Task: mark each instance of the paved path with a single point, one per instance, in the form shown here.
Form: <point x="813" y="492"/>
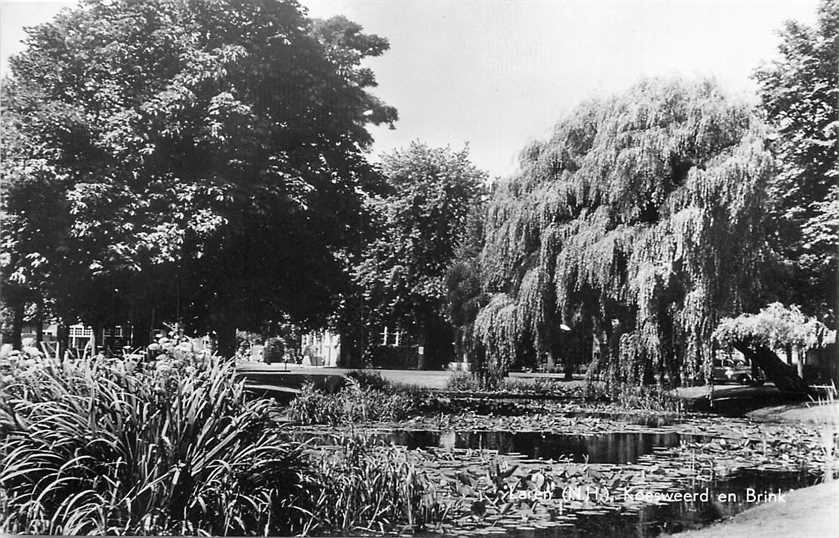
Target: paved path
<point x="807" y="513"/>
<point x="431" y="379"/>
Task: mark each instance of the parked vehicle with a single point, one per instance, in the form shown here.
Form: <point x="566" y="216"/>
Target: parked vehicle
<point x="734" y="371"/>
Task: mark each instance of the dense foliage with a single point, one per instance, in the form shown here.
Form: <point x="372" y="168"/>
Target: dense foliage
<point x="465" y="295"/>
<point x="421" y="222"/>
<point x="800" y="96"/>
<point x="200" y="160"/>
<point x="638" y="224"/>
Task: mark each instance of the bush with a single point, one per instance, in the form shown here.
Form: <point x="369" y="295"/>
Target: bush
<point x="274" y="350"/>
<point x="359" y="487"/>
<point x="352" y="403"/>
<point x="101" y="447"/>
<point x="464" y="382"/>
<point x="372" y="380"/>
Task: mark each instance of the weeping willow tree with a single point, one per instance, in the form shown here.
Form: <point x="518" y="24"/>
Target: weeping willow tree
<point x="638" y="224"/>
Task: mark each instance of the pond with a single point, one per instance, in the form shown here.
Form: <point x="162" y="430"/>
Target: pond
<point x="652" y="519"/>
<point x="653" y="480"/>
<point x="614" y="447"/>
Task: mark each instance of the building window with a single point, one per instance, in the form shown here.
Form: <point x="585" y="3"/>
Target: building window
<point x="80" y="331"/>
<point x="391" y="338"/>
<point x="113" y="332"/>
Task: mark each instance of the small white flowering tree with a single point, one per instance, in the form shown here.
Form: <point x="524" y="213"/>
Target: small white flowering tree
<point x="774" y="327"/>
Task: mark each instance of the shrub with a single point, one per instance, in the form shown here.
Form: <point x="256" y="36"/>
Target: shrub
<point x="464" y="382"/>
<point x="372" y="380"/>
<point x="274" y="350"/>
<point x="100" y="447"/>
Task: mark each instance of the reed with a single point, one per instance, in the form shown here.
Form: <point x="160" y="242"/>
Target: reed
<point x="91" y="448"/>
<point x="359" y="487"/>
<point x="353" y="403"/>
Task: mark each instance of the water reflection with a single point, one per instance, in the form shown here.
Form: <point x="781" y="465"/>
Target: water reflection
<point x="617" y="448"/>
<point x="622" y="447"/>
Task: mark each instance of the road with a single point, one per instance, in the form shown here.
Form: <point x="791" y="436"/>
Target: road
<point x="431" y="379"/>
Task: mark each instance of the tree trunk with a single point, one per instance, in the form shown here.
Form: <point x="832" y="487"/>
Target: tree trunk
<point x="783" y="375"/>
<point x="569" y="367"/>
<point x="62" y="343"/>
<point x="96" y="339"/>
<point x="39" y="322"/>
<point x="17" y="326"/>
<point x="227" y="340"/>
<point x="437" y="345"/>
<point x="569" y="354"/>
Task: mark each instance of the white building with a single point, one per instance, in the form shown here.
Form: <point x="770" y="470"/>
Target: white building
<point x="322" y="348"/>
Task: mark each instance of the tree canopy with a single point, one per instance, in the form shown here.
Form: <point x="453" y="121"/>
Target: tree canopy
<point x="757" y="336"/>
<point x="775" y="327"/>
<point x="204" y="158"/>
<point x="638" y="222"/>
<point x="421" y="221"/>
<point x="799" y="93"/>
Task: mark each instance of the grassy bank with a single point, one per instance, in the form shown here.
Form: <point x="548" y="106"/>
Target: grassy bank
<point x="368" y="397"/>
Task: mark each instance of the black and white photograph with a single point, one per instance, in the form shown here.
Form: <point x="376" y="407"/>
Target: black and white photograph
<point x="419" y="268"/>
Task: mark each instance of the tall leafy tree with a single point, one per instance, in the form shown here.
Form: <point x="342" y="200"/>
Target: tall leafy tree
<point x="203" y="159"/>
<point x="638" y="224"/>
<point x="465" y="293"/>
<point x="799" y="92"/>
<point x="422" y="220"/>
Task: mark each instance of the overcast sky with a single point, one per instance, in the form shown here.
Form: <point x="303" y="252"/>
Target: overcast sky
<point x="499" y="73"/>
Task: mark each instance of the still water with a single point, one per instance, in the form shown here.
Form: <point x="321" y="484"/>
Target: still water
<point x="597" y="448"/>
<point x="654" y="520"/>
<point x="610" y="448"/>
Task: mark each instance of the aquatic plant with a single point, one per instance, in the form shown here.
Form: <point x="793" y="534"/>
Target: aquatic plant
<point x="362" y="487"/>
<point x="96" y="447"/>
<point x="350" y="404"/>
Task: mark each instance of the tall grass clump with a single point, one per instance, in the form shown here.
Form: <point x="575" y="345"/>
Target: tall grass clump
<point x="353" y="403"/>
<point x="359" y="487"/>
<point x="92" y="447"/>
